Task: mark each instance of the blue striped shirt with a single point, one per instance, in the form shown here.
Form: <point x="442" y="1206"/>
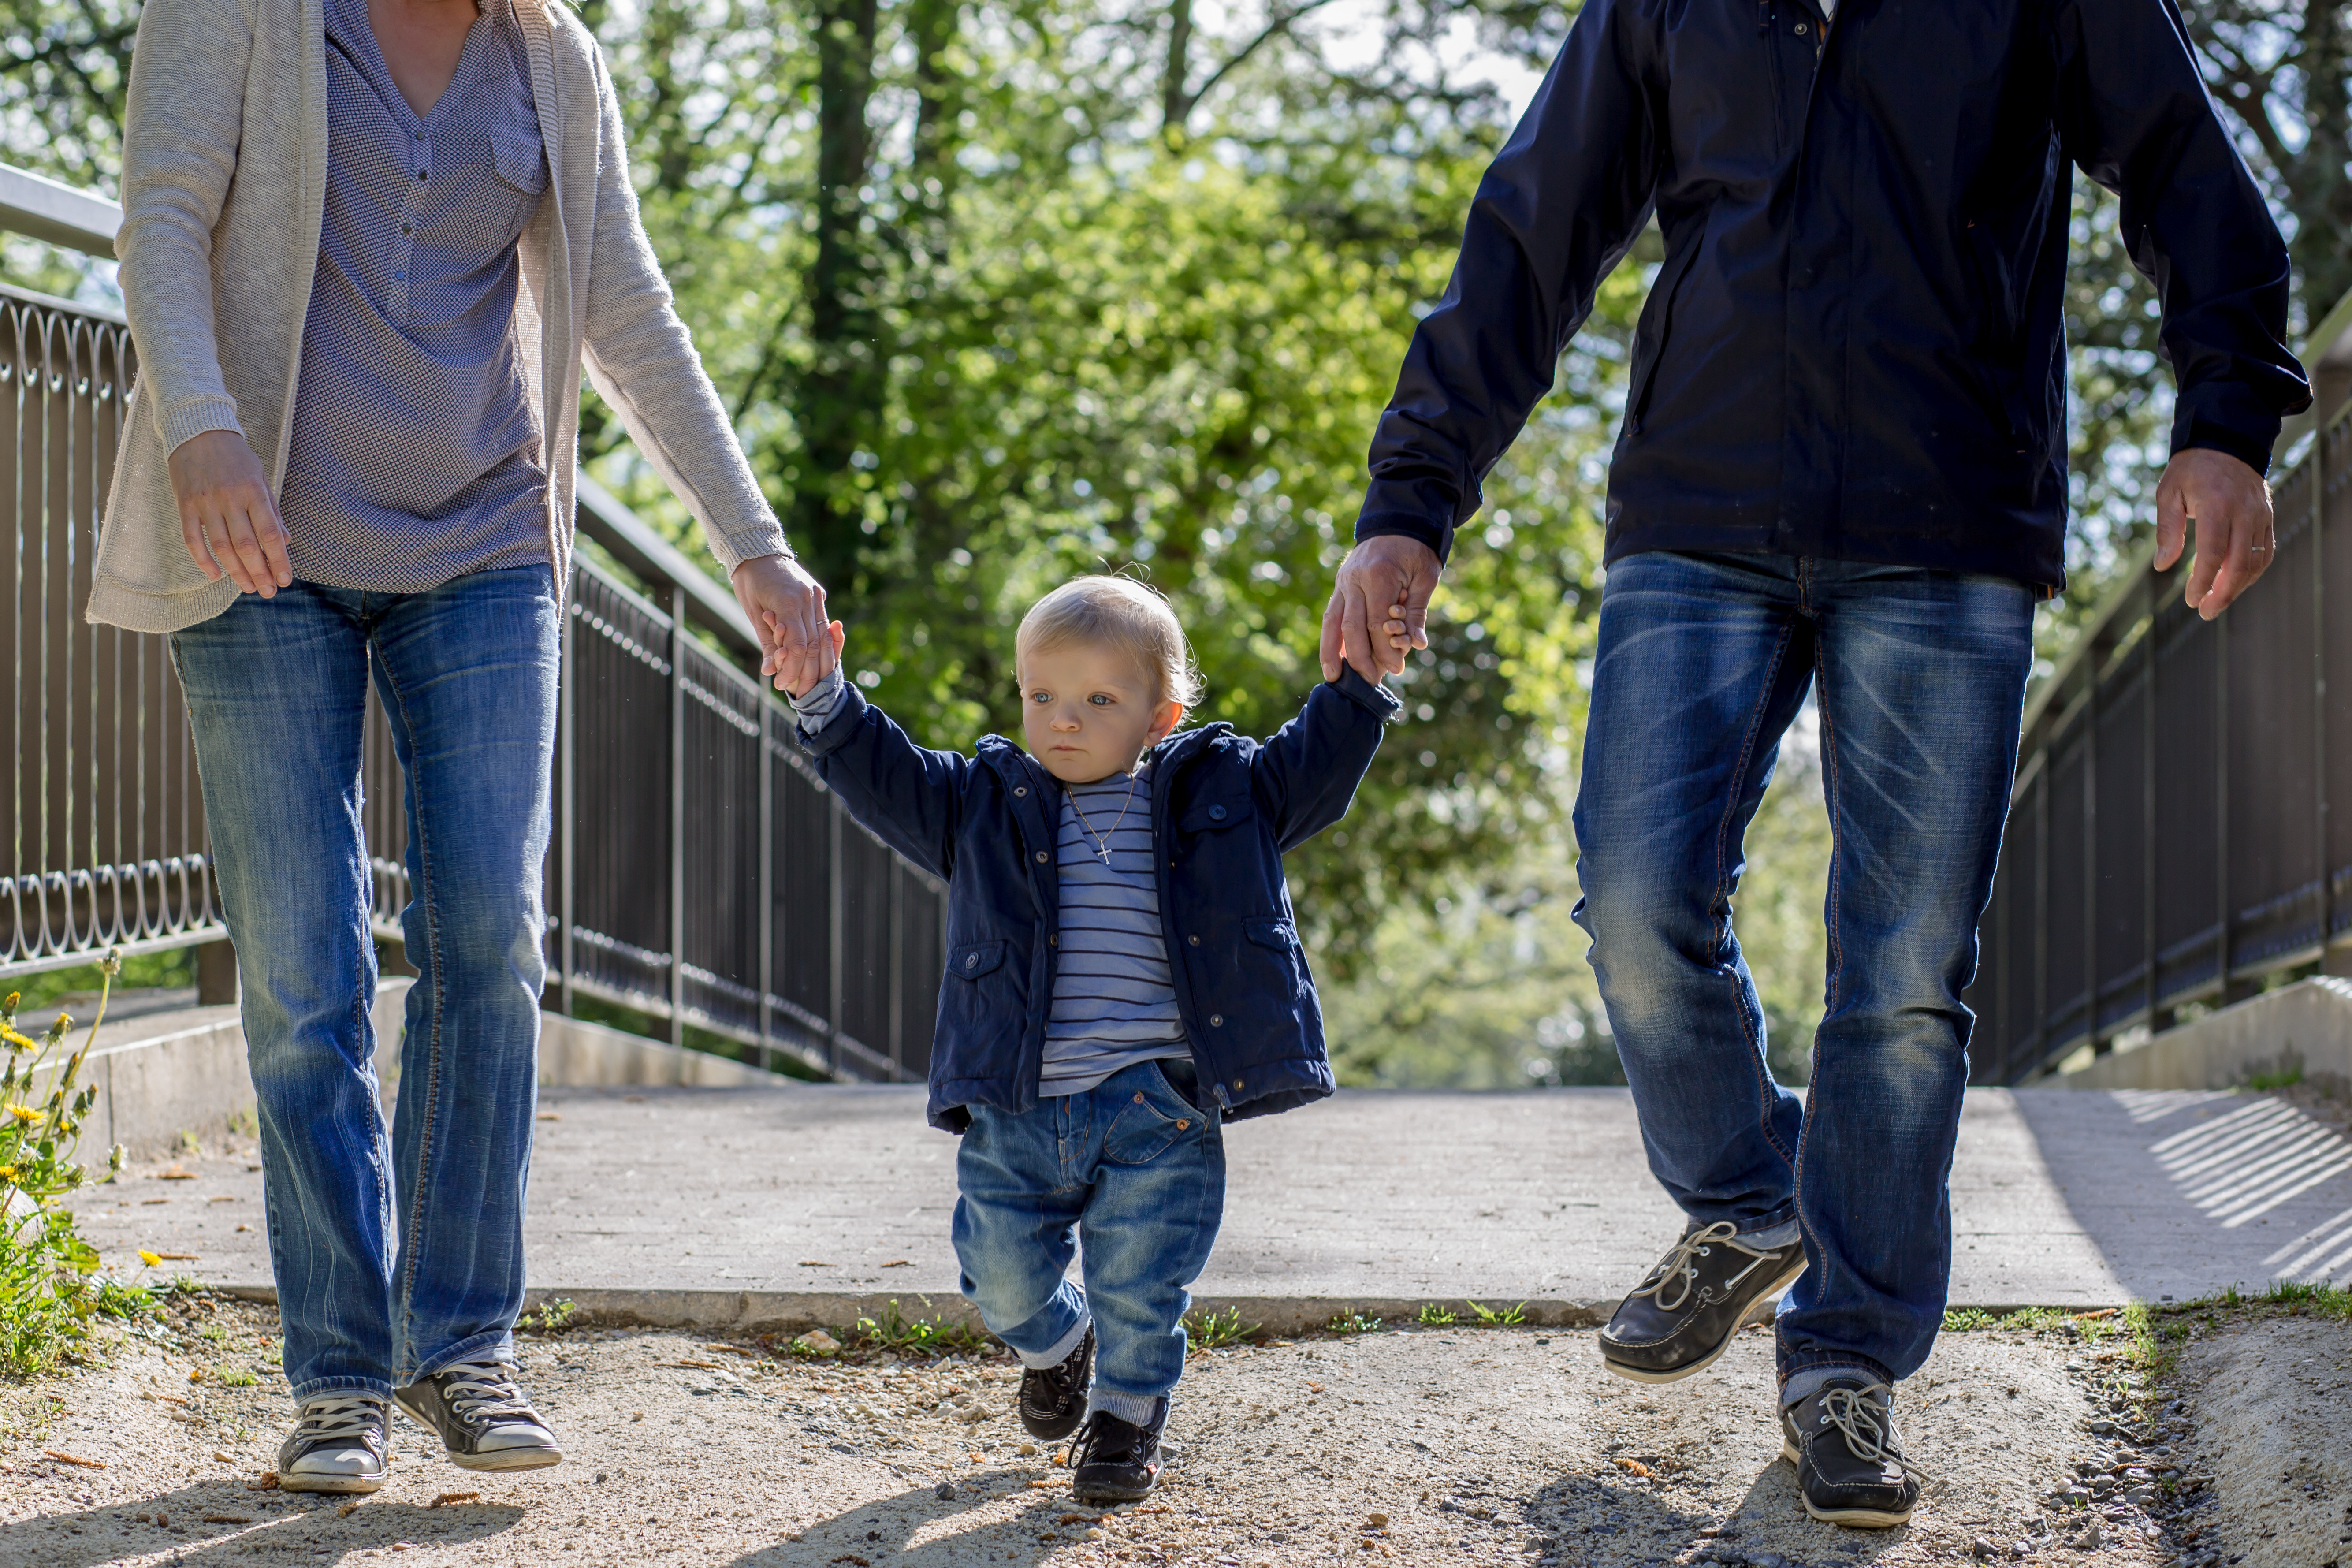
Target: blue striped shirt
<point x="1114" y="996"/>
<point x="415" y="457"/>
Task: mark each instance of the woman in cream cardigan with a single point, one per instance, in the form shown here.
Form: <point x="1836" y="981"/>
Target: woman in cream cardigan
<point x="368" y="248"/>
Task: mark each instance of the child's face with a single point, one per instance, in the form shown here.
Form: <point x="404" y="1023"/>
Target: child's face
<point x="1088" y="711"/>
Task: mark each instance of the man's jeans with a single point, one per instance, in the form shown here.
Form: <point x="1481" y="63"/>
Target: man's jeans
<point x="277" y="692"/>
<point x="1703" y="662"/>
<point x="1138" y="1172"/>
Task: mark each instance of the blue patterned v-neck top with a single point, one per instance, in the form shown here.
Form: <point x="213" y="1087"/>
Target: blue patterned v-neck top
<point x="415" y="457"/>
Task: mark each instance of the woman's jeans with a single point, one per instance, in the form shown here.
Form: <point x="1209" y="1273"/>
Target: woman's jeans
<point x="1136" y="1172"/>
<point x="398" y="1251"/>
<point x="1703" y="662"/>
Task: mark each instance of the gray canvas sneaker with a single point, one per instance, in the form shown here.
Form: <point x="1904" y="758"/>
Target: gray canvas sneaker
<point x="484" y="1420"/>
<point x="339" y="1445"/>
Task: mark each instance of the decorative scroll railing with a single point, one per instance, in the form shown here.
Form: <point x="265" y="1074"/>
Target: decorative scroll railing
<point x="700" y="874"/>
<point x="2181" y="827"/>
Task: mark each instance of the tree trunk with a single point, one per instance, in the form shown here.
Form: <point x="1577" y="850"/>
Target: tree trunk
<point x="1175" y="102"/>
<point x="839" y="398"/>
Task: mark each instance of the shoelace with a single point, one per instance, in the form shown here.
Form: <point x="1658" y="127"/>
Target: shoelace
<point x="336" y="1417"/>
<point x="1854" y="1413"/>
<point x="1678" y="1267"/>
<point x="1094" y="1443"/>
<point x="483" y="1393"/>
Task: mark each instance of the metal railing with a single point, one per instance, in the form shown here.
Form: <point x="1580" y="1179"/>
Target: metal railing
<point x="700" y="874"/>
<point x="2181" y="826"/>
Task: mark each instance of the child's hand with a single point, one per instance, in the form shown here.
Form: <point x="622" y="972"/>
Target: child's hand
<point x="798" y="669"/>
<point x="1399" y="635"/>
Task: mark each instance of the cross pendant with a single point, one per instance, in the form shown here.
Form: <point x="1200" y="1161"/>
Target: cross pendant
<point x="1104" y="850"/>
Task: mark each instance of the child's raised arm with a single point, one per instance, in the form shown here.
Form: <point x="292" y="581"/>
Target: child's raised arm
<point x="910" y="795"/>
<point x="1306" y="775"/>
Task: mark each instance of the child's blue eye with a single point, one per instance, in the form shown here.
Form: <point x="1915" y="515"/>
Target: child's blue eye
<point x="1099" y="699"/>
<point x="1041" y="697"/>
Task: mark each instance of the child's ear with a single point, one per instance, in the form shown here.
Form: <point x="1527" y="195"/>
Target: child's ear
<point x="1164" y="722"/>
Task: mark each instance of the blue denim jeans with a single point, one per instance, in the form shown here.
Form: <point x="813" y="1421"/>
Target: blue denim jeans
<point x="1703" y="662"/>
<point x="1135" y="1174"/>
<point x="398" y="1251"/>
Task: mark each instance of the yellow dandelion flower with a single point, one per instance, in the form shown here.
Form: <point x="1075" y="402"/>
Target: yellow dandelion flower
<point x="149" y="1258"/>
<point x="8" y="1172"/>
<point x="17" y="1041"/>
<point x="23" y="1113"/>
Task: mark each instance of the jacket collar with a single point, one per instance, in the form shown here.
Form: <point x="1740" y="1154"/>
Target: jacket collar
<point x="1019" y="771"/>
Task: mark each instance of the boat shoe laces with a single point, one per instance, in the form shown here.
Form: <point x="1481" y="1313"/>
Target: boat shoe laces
<point x="1856" y="1413"/>
<point x="1678" y="1269"/>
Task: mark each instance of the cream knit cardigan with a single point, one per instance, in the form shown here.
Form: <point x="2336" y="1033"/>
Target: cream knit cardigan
<point x="224" y="191"/>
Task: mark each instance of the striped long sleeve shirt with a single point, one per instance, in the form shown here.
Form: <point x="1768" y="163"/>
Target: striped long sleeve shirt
<point x="1114" y="996"/>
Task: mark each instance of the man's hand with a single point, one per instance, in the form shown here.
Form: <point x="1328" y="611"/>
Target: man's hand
<point x="1380" y="607"/>
<point x="228" y="519"/>
<point x="2230" y="505"/>
<point x="786" y="608"/>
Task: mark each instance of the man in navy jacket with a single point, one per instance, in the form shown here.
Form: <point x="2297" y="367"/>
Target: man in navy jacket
<point x="1842" y="468"/>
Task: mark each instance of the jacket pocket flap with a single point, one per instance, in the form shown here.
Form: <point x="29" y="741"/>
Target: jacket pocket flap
<point x="1272" y="931"/>
<point x="1207" y="815"/>
<point x="975" y="958"/>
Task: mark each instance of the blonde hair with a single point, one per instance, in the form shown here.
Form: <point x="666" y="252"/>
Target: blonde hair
<point x="1120" y="613"/>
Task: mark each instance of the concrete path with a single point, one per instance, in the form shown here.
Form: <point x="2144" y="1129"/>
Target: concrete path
<point x="790" y="1207"/>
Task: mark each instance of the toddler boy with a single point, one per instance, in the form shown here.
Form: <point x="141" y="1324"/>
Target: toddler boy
<point x="1123" y="977"/>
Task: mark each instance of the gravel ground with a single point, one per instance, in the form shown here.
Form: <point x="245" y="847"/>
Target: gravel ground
<point x="2271" y="1395"/>
<point x="1436" y="1446"/>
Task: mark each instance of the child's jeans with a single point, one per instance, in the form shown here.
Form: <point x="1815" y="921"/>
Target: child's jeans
<point x="1133" y="1171"/>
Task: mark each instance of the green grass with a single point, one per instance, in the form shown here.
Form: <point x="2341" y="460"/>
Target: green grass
<point x="1507" y="1316"/>
<point x="1434" y="1316"/>
<point x="2268" y="1081"/>
<point x="238" y="1377"/>
<point x="2025" y="1320"/>
<point x="554" y="1315"/>
<point x="1353" y="1323"/>
<point x="900" y="1334"/>
<point x="1216" y="1330"/>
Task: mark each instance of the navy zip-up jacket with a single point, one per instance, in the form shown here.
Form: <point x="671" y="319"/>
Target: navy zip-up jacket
<point x="1854" y="349"/>
<point x="1224" y="808"/>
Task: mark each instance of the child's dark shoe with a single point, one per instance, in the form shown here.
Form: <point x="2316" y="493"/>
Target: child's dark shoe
<point x="1115" y="1460"/>
<point x="1053" y="1398"/>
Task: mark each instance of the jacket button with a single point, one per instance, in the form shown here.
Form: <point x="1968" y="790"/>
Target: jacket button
<point x="1216" y="1020"/>
<point x="1216" y="814"/>
<point x="1182" y="1123"/>
<point x="1801" y="29"/>
<point x="1019" y="790"/>
<point x="1193" y="940"/>
<point x="1041" y="856"/>
<point x="1053" y="938"/>
<point x="970" y="959"/>
<point x="1138" y="1097"/>
<point x="1237" y="1083"/>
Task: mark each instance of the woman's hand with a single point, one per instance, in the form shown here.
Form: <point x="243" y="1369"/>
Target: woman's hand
<point x="228" y="519"/>
<point x="786" y="608"/>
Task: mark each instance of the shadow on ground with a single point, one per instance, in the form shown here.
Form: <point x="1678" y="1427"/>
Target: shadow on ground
<point x="202" y="1529"/>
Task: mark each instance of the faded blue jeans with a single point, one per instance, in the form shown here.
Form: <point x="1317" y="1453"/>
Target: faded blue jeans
<point x="1703" y="662"/>
<point x="397" y="1250"/>
<point x="1134" y="1172"/>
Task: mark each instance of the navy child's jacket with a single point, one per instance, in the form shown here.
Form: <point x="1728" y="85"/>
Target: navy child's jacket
<point x="1224" y="808"/>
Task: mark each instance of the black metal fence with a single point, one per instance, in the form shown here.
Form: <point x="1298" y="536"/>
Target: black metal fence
<point x="700" y="874"/>
<point x="2181" y="827"/>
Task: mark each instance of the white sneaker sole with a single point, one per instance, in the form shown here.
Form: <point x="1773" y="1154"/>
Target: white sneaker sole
<point x="337" y="1485"/>
<point x="509" y="1459"/>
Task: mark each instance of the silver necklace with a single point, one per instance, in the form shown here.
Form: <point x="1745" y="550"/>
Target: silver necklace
<point x="1102" y="840"/>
